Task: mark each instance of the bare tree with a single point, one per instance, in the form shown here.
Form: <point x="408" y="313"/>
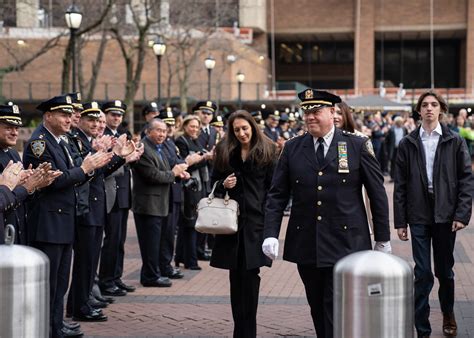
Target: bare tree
<point x="192" y="22"/>
<point x="132" y="36"/>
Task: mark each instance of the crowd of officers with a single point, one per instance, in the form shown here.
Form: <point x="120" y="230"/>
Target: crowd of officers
<point x="70" y="195"/>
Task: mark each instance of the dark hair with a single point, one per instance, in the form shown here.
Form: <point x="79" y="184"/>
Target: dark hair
<point x="347" y="120"/>
<point x="442" y="103"/>
<point x="262" y="150"/>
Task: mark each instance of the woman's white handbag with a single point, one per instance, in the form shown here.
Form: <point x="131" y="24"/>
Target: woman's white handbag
<point x="217" y="216"/>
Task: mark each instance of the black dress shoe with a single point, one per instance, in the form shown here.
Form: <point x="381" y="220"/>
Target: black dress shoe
<point x="71" y="333"/>
<point x="175" y="274"/>
<point x="96" y="304"/>
<point x="114" y="291"/>
<point x="123" y="286"/>
<point x="71" y="325"/>
<point x="162" y="282"/>
<point x="93" y="316"/>
<point x="204" y="257"/>
<point x="104" y="299"/>
<point x="194" y="267"/>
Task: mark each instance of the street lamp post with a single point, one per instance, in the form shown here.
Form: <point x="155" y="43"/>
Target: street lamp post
<point x="240" y="78"/>
<point x="210" y="64"/>
<point x="159" y="48"/>
<point x="73" y="20"/>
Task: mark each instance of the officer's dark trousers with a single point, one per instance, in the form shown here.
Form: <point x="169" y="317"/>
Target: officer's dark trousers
<point x="168" y="233"/>
<point x="59" y="268"/>
<point x="319" y="291"/>
<point x="86" y="250"/>
<point x="244" y="289"/>
<point x="149" y="237"/>
<point x="112" y="254"/>
<point x="443" y="239"/>
<point x="189" y="246"/>
<point x="121" y="251"/>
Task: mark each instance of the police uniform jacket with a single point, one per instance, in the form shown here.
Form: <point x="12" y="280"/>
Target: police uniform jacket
<point x="152" y="177"/>
<point x="452" y="181"/>
<point x="273" y="135"/>
<point x="328" y="219"/>
<point x="51" y="214"/>
<point x="15" y="213"/>
<point x="253" y="183"/>
<point x="118" y="185"/>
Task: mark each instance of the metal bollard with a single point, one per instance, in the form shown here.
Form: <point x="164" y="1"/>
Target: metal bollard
<point x="373" y="296"/>
<point x="24" y="290"/>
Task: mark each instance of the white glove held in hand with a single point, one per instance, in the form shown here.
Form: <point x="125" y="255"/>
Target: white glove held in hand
<point x="270" y="247"/>
<point x="383" y="247"/>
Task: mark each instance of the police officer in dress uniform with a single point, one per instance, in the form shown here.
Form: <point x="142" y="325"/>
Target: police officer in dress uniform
<point x="10" y="121"/>
<point x="324" y="170"/>
<point x="90" y="225"/>
<point x="51" y="221"/>
<point x="119" y="199"/>
<point x="206" y="110"/>
<point x="271" y="119"/>
<point x="170" y="224"/>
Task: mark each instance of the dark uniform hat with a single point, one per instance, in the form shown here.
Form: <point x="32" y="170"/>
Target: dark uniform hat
<point x="312" y="99"/>
<point x="267" y="113"/>
<point x="168" y="116"/>
<point x="217" y="121"/>
<point x="208" y="107"/>
<point x="283" y="118"/>
<point x="116" y="107"/>
<point x="10" y="114"/>
<point x="76" y="100"/>
<point x="257" y="115"/>
<point x="61" y="103"/>
<point x="91" y="109"/>
<point x="151" y="107"/>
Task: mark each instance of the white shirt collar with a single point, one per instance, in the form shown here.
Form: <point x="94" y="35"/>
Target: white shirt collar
<point x="327" y="138"/>
<point x="58" y="139"/>
<point x="437" y="130"/>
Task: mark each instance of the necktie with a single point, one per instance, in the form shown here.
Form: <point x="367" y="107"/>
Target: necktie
<point x="320" y="151"/>
<point x="64" y="145"/>
<point x="206" y="131"/>
<point x="159" y="149"/>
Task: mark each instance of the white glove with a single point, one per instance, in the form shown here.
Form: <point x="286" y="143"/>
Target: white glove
<point x="270" y="247"/>
<point x="383" y="247"/>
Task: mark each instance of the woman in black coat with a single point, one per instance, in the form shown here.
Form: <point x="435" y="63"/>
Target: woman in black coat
<point x="194" y="190"/>
<point x="244" y="163"/>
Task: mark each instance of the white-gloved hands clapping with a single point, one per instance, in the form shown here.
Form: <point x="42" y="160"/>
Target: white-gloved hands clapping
<point x="383" y="247"/>
<point x="270" y="247"/>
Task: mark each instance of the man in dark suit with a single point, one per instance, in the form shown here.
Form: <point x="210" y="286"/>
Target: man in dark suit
<point x="51" y="221"/>
<point x="119" y="199"/>
<point x="152" y="177"/>
<point x="324" y="171"/>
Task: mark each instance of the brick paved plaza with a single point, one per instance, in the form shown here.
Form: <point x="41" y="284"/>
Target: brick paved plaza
<point x="199" y="305"/>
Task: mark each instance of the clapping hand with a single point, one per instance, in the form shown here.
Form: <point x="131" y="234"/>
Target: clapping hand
<point x="135" y="156"/>
<point x="103" y="143"/>
<point x="124" y="147"/>
<point x="11" y="175"/>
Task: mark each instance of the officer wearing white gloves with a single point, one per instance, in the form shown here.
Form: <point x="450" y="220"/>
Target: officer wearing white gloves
<point x="324" y="170"/>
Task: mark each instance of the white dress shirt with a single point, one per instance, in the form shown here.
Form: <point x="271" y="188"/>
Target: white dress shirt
<point x="430" y="143"/>
<point x="327" y="141"/>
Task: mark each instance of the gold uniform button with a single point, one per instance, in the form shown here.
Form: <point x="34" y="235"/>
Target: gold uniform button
<point x="320" y="188"/>
<point x="297" y="181"/>
<point x="319" y="202"/>
<point x="319" y="218"/>
<point x="320" y="173"/>
<point x="345" y="227"/>
<point x="344" y="180"/>
<point x="95" y="198"/>
<point x="59" y="210"/>
<point x="297" y="228"/>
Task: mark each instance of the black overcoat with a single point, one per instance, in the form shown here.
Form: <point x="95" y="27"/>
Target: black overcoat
<point x="253" y="183"/>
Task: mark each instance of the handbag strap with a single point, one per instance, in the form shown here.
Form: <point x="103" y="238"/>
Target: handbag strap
<point x="211" y="195"/>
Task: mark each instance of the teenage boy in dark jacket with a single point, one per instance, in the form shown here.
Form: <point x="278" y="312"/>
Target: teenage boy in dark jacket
<point x="433" y="187"/>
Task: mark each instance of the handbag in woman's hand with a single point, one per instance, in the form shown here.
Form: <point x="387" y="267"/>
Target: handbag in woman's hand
<point x="217" y="216"/>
